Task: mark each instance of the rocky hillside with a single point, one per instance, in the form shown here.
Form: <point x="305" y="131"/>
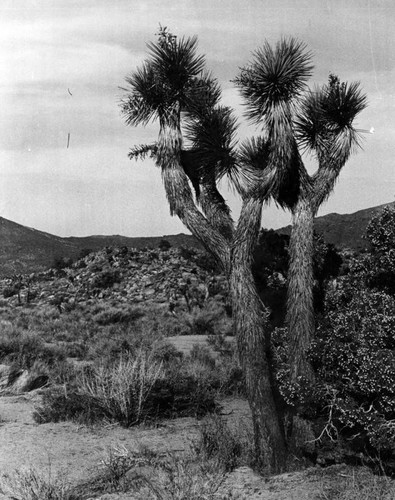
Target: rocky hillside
<point x="173" y="280"/>
<point x="26" y="250"/>
<point x="344" y="230"/>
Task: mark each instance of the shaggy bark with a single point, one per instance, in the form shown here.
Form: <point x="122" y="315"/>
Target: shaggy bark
<point x="300" y="302"/>
<point x="216" y="209"/>
<point x="300" y="307"/>
<point x="250" y="318"/>
<point x="180" y="196"/>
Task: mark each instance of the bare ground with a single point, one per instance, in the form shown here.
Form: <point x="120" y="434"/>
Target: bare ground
<point x="75" y="452"/>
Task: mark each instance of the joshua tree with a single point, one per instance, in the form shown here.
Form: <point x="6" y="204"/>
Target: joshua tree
<point x="321" y="122"/>
<point x="172" y="87"/>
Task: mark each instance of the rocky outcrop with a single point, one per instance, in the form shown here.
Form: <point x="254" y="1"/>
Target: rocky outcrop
<point x="174" y="278"/>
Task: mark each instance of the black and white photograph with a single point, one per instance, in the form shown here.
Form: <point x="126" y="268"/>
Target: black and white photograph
<point x="197" y="250"/>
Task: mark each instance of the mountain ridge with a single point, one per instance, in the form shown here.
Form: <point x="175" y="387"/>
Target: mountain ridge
<point x="25" y="249"/>
<point x="344" y="230"/>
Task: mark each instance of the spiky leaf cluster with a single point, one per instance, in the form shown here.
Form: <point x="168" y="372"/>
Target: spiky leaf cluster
<point x="324" y="123"/>
<point x="273" y="78"/>
<point x="213" y="138"/>
<point x="161" y="86"/>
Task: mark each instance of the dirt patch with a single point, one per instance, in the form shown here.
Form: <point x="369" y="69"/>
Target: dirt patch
<point x="76" y="450"/>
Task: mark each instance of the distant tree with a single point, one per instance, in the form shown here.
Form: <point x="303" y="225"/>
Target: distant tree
<point x="84" y="252"/>
<point x="60" y="263"/>
<point x="164" y="245"/>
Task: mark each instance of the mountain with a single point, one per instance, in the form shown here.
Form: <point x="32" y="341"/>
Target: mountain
<point x="344" y="230"/>
<point x="25" y="250"/>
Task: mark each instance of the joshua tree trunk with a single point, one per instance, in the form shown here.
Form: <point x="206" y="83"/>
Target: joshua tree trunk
<point x="250" y="318"/>
<point x="216" y="210"/>
<point x="300" y="310"/>
<point x="180" y="196"/>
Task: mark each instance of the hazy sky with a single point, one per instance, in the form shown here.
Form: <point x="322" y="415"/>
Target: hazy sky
<point x="89" y="46"/>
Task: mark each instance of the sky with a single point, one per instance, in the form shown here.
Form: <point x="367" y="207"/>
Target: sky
<point x="62" y="63"/>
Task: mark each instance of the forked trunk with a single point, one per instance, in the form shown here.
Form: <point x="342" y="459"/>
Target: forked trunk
<point x="250" y="316"/>
<point x="300" y="310"/>
<point x="250" y="319"/>
<point x="180" y="196"/>
<point x="216" y="210"/>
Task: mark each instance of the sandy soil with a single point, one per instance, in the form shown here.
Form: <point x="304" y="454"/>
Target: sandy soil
<point x="75" y="452"/>
<point x="72" y="449"/>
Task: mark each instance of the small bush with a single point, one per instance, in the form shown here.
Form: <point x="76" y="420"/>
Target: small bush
<point x="111" y="315"/>
<point x="31" y="485"/>
<point x="230" y="448"/>
<point x="106" y="278"/>
<point x="164" y="245"/>
<point x="166" y="353"/>
<point x="123" y="391"/>
<point x="58" y="405"/>
<point x="60" y="263"/>
<point x="135" y="389"/>
<point x="10" y="291"/>
<point x="147" y="476"/>
<point x="360" y="485"/>
<point x="25" y="348"/>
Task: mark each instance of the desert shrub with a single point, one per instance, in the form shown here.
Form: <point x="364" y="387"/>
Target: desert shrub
<point x="207" y="262"/>
<point x="23" y="348"/>
<point x="32" y="485"/>
<point x="381" y="262"/>
<point x="120" y="314"/>
<point x="228" y="447"/>
<point x="210" y="319"/>
<point x="166" y="353"/>
<point x="145" y="475"/>
<point x="137" y="388"/>
<point x="353" y="355"/>
<point x="203" y="355"/>
<point x="123" y="391"/>
<point x="186" y="253"/>
<point x="106" y="278"/>
<point x="10" y="291"/>
<point x="84" y="252"/>
<point x="60" y="263"/>
<point x="360" y="485"/>
<point x="164" y="245"/>
<point x="182" y="394"/>
<point x="221" y="373"/>
<point x="221" y="345"/>
<point x="119" y="471"/>
<point x="58" y="405"/>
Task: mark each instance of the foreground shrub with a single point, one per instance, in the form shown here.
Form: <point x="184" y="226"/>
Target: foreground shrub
<point x="228" y="447"/>
<point x="59" y="405"/>
<point x="352" y="402"/>
<point x="146" y="475"/>
<point x="122" y="391"/>
<point x="31" y="485"/>
<point x="137" y="388"/>
<point x="360" y="485"/>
